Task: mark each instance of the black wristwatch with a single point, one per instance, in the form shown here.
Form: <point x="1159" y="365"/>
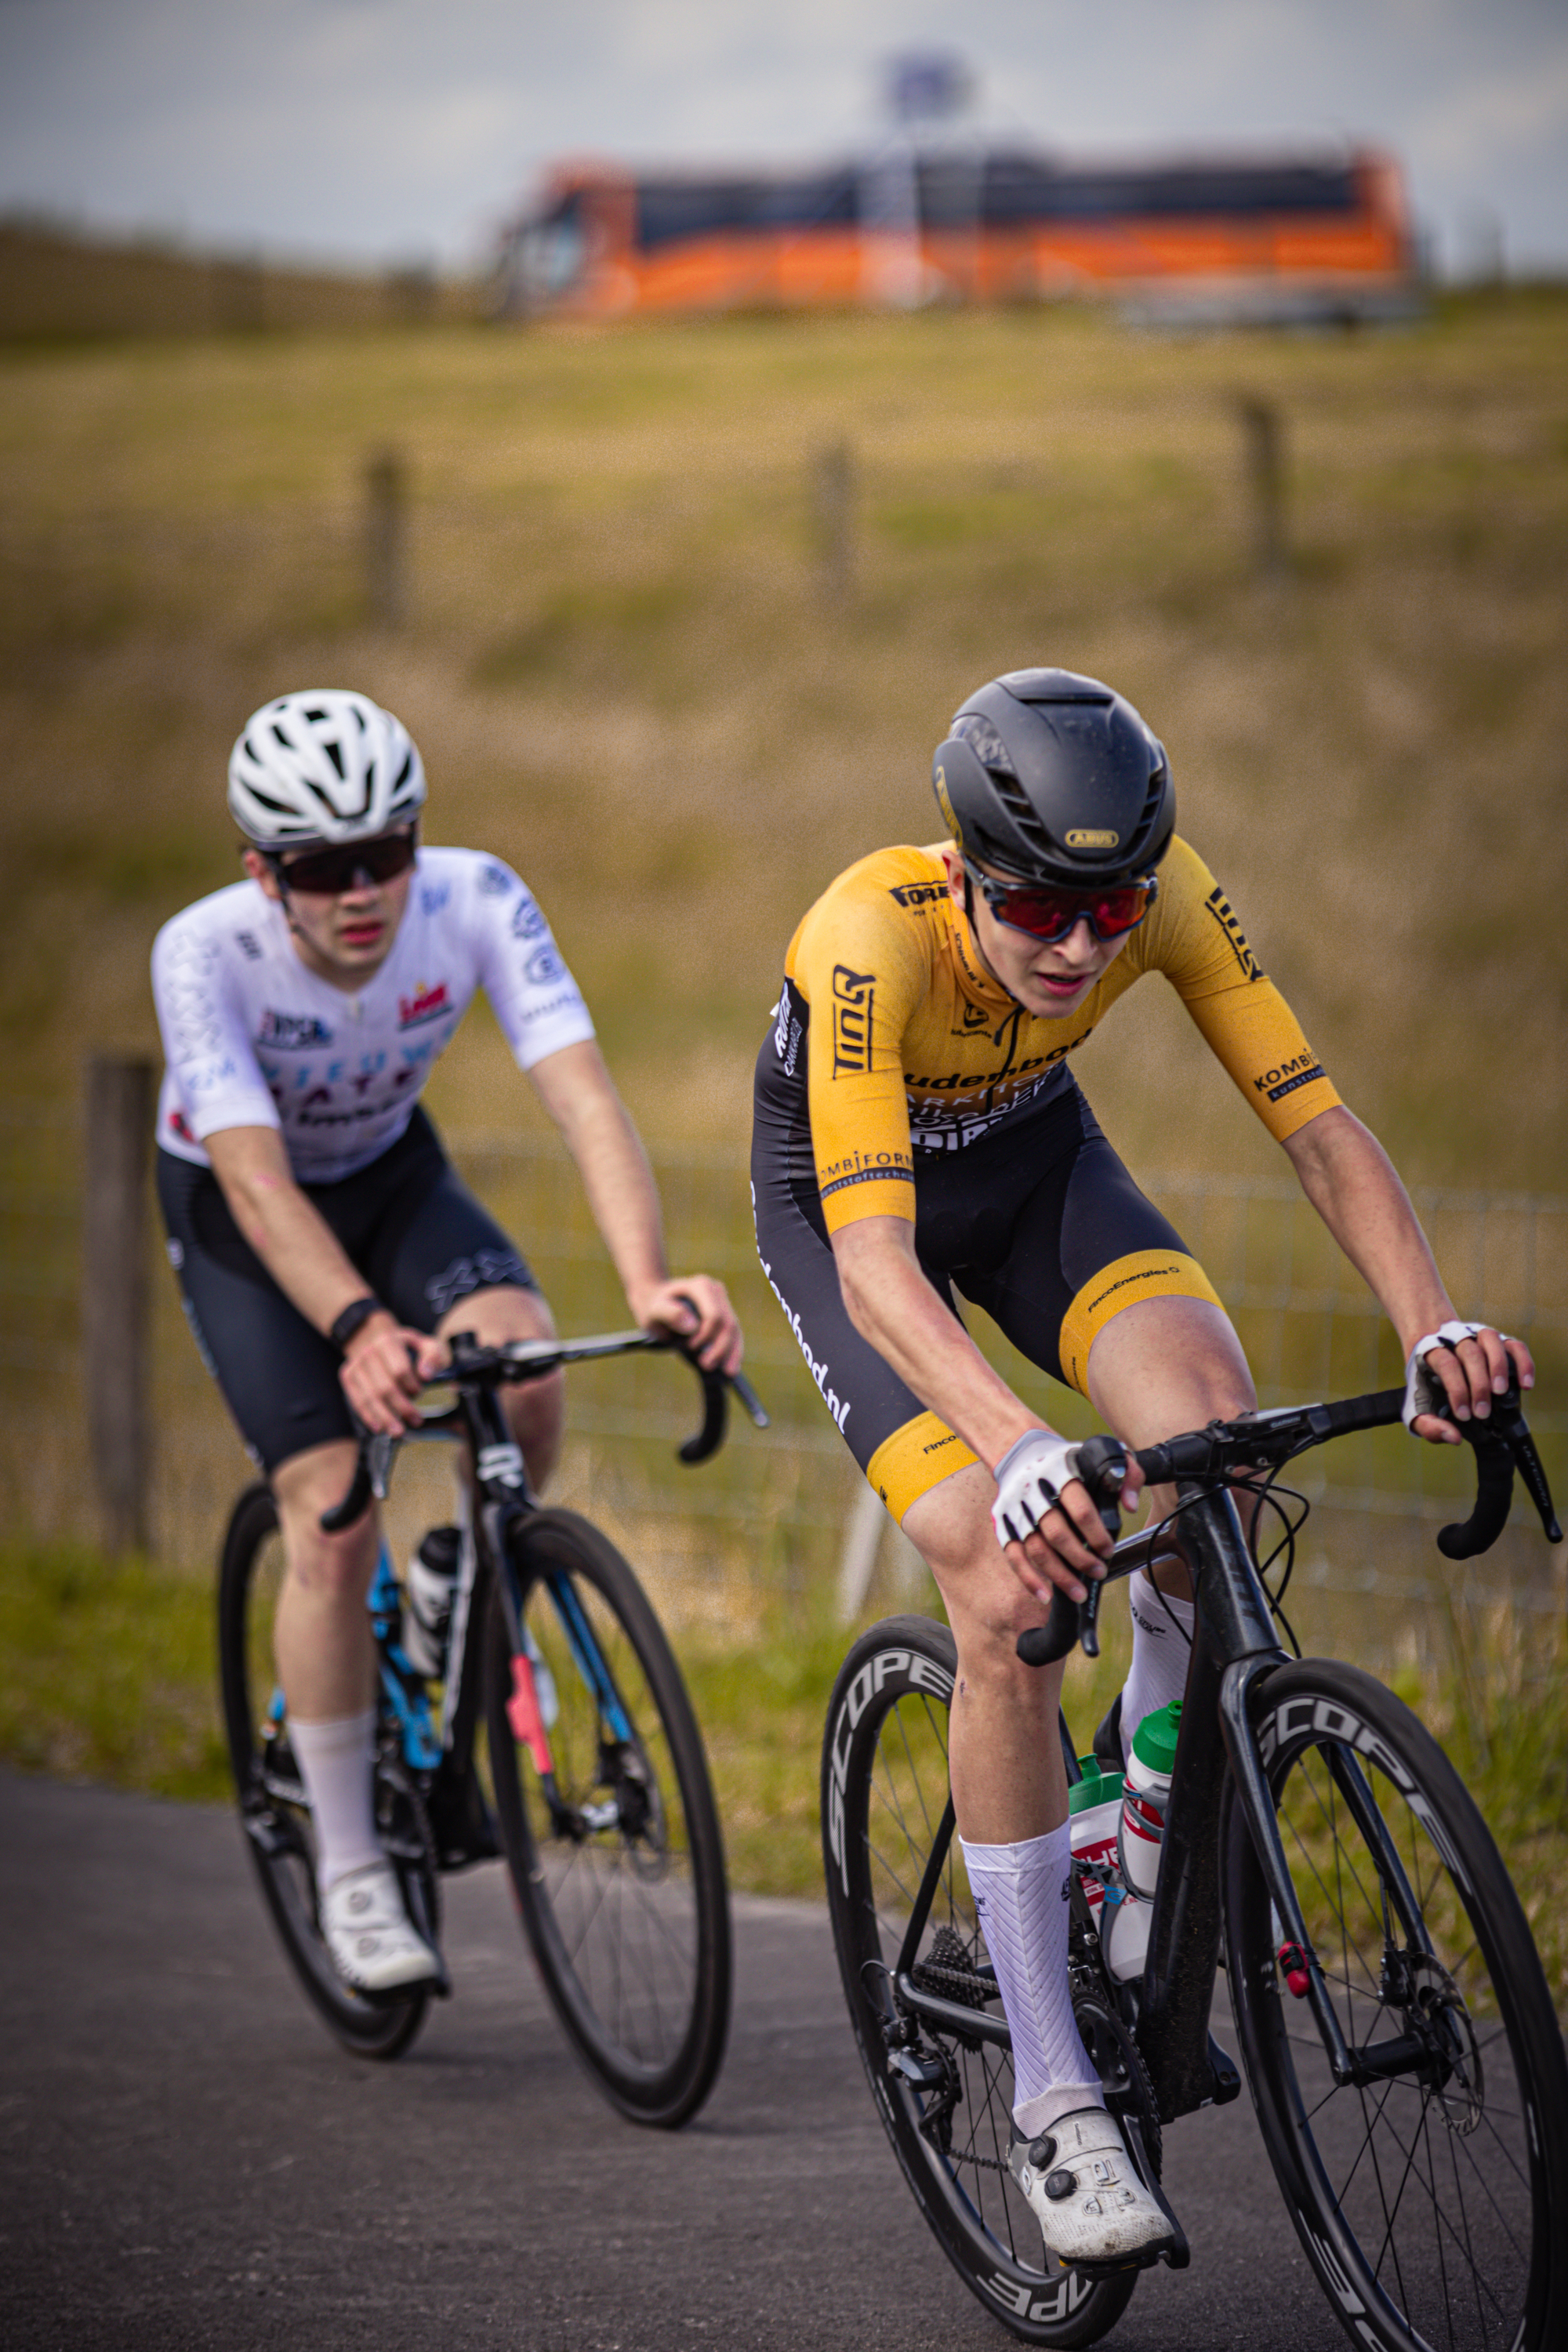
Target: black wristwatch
<point x="355" y="1317"/>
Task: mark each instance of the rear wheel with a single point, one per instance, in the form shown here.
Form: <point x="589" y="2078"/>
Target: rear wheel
<point x="884" y="1810"/>
<point x="610" y="1828"/>
<point x="275" y="1811"/>
<point x="1430" y="2195"/>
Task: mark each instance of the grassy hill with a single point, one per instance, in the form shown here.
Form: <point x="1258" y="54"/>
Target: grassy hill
<point x="625" y="675"/>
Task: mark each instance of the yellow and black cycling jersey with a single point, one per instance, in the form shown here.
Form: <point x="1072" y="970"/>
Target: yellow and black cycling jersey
<point x="909" y="1046"/>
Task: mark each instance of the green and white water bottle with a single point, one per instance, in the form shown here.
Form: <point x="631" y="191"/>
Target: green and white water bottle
<point x="1145" y="1796"/>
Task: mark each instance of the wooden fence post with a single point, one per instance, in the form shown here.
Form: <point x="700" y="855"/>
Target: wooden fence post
<point x="385" y="486"/>
<point x="116" y="1349"/>
<point x="1265" y="445"/>
<point x="834" y="488"/>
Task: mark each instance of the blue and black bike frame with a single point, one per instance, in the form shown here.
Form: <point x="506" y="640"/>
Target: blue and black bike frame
<point x="489" y="1565"/>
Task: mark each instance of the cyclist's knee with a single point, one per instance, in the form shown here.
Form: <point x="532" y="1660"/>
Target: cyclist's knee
<point x="536" y="1414"/>
<point x="306" y="1486"/>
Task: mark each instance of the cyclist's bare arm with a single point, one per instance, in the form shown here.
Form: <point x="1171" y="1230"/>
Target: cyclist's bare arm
<point x="580" y="1094"/>
<point x="1353" y="1184"/>
<point x="893" y="1306"/>
<point x="308" y="1263"/>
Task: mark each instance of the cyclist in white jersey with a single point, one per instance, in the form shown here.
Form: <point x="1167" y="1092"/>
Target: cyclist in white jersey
<point x="324" y="1245"/>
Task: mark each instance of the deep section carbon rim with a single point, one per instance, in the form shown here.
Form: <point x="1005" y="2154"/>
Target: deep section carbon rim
<point x="1422" y="2193"/>
<point x="884" y="1796"/>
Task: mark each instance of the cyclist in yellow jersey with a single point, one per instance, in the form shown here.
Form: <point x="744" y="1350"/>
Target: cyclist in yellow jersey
<point x="919" y="1132"/>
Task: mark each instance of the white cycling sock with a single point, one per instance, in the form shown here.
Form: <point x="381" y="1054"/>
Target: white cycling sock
<point x="334" y="1762"/>
<point x="1161" y="1651"/>
<point x="1021" y="1895"/>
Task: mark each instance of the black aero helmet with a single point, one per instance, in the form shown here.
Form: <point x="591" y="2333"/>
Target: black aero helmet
<point x="1055" y="778"/>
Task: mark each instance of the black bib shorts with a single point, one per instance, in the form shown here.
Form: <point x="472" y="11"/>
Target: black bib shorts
<point x="1038" y="1222"/>
<point x="410" y="1225"/>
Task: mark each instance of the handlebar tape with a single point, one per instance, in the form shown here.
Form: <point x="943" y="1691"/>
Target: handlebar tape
<point x="355" y="1503"/>
<point x="715" y="1412"/>
<point x="1042" y="1645"/>
<point x="1494" y="1494"/>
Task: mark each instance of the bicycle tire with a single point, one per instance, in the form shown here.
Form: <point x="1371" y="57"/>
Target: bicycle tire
<point x="276" y="1823"/>
<point x="629" y="1925"/>
<point x="884" y="1794"/>
<point x="1427" y="2201"/>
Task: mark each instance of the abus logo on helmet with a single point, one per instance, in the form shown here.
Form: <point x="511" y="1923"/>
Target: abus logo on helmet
<point x="1083" y="836"/>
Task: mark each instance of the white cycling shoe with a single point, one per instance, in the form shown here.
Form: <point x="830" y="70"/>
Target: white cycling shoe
<point x="376" y="1946"/>
<point x="1084" y="2191"/>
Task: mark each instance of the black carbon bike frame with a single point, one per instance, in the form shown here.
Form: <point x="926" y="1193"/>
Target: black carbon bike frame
<point x="1234" y="1646"/>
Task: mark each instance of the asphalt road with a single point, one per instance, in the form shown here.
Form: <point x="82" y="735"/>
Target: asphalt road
<point x="188" y="2160"/>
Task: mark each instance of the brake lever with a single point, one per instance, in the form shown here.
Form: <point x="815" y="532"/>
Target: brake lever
<point x="1102" y="1466"/>
<point x="1502" y="1443"/>
<point x="1508" y="1417"/>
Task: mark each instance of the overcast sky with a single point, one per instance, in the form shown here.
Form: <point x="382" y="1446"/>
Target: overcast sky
<point x="393" y="128"/>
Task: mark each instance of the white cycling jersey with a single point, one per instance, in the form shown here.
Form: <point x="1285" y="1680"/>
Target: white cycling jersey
<point x="253" y="1038"/>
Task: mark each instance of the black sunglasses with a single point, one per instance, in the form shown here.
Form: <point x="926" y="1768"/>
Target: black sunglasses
<point x="328" y="873"/>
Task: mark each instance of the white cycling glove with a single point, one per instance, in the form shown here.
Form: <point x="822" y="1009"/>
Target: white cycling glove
<point x="1424" y="1391"/>
<point x="1029" y="1479"/>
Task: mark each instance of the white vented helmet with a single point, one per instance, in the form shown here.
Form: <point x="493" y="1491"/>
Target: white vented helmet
<point x="327" y="766"/>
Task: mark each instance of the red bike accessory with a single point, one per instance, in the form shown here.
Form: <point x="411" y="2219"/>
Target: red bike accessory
<point x="1298" y="1975"/>
<point x="523" y="1712"/>
<point x="328" y="873"/>
<point x="1051" y="915"/>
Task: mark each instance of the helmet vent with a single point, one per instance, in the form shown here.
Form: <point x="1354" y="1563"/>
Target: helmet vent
<point x="402" y="777"/>
<point x="336" y="757"/>
<point x="318" y="717"/>
<point x="1021" y="809"/>
<point x="987" y="745"/>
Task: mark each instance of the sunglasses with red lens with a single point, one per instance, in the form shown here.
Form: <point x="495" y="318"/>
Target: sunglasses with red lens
<point x="328" y="873"/>
<point x="1051" y="915"/>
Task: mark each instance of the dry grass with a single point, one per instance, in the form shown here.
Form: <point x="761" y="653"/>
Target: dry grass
<point x="623" y="676"/>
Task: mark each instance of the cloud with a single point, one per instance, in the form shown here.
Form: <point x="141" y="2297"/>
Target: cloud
<point x="1473" y="129"/>
<point x="385" y="126"/>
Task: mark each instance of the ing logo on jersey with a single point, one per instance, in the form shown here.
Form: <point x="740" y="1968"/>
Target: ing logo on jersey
<point x="854" y="994"/>
<point x="425" y="1004"/>
<point x="1219" y="907"/>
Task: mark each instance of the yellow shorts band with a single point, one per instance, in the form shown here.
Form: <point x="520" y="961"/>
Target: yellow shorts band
<point x="1126" y="1282"/>
<point x="916" y="1458"/>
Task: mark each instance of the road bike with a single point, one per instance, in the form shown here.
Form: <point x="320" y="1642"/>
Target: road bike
<point x="561" y="1714"/>
<point x="1393" y="2018"/>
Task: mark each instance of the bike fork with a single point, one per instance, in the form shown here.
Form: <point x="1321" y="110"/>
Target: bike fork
<point x="1348" y="2066"/>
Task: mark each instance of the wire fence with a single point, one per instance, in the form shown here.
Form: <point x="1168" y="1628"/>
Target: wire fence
<point x="762" y="1531"/>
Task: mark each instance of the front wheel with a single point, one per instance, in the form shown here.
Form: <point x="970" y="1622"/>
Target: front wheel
<point x="275" y="1811"/>
<point x="1430" y="2193"/>
<point x="608" y="1822"/>
<point x="884" y="1815"/>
